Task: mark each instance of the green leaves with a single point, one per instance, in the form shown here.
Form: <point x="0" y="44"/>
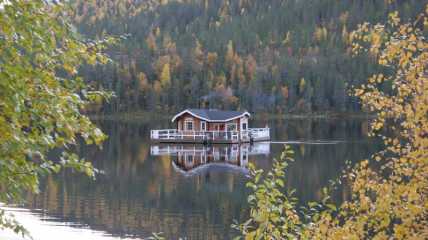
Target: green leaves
<point x="42" y="96"/>
<point x="7" y="221"/>
<point x="272" y="213"/>
<point x="71" y="160"/>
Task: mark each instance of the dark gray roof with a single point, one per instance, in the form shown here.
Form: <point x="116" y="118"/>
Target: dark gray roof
<point x="213" y="114"/>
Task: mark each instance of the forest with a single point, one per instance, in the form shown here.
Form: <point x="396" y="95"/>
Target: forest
<point x="279" y="56"/>
<point x="63" y="60"/>
<point x="276" y="56"/>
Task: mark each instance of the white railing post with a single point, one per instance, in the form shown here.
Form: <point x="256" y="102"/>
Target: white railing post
<point x="171" y="134"/>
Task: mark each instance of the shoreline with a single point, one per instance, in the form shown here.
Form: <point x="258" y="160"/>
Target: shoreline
<point x="150" y="116"/>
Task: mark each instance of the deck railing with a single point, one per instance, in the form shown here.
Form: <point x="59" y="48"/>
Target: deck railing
<point x="174" y="150"/>
<point x="234" y="136"/>
<point x="194" y="150"/>
<point x="259" y="133"/>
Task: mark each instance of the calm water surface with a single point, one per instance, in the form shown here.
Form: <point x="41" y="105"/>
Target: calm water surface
<point x="189" y="191"/>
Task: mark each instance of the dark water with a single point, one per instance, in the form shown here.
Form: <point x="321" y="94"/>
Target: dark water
<point x="193" y="192"/>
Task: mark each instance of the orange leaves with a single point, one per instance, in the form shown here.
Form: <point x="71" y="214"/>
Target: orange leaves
<point x="212" y="59"/>
<point x="405" y="59"/>
<point x="151" y="42"/>
<point x="70" y="69"/>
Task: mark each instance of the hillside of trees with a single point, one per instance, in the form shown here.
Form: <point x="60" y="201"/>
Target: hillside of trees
<point x="277" y="56"/>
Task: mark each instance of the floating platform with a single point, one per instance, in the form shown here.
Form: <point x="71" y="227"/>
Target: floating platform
<point x="210" y="137"/>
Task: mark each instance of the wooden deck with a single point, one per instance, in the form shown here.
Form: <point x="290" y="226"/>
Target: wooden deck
<point x="175" y="136"/>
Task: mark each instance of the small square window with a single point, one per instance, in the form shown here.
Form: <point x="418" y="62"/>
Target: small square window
<point x="189" y="126"/>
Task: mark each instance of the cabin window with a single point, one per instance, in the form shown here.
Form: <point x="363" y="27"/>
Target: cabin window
<point x="231" y="127"/>
<point x="188" y="125"/>
<point x="203" y="126"/>
<point x="244" y="126"/>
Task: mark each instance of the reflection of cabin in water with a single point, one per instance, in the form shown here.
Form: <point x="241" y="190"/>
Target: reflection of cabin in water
<point x="211" y="126"/>
<point x="190" y="158"/>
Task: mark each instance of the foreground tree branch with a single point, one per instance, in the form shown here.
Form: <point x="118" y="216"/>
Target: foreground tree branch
<point x="42" y="96"/>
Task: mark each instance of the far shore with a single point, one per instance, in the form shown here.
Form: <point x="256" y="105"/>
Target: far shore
<point x="150" y="116"/>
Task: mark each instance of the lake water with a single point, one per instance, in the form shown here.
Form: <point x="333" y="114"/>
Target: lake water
<point x="187" y="191"/>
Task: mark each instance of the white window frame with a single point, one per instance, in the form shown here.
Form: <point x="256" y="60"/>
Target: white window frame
<point x="186" y="121"/>
<point x="244" y="121"/>
<point x="204" y="124"/>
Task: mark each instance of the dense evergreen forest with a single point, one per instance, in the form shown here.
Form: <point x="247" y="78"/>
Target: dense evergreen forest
<point x="276" y="56"/>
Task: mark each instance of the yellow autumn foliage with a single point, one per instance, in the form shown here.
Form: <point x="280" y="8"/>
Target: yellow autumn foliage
<point x="389" y="191"/>
<point x="165" y="77"/>
<point x="390" y="201"/>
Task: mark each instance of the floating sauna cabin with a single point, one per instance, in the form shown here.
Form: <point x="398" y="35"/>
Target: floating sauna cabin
<point x="210" y="126"/>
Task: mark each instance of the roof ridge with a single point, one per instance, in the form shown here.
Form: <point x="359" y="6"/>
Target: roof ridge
<point x="214" y="114"/>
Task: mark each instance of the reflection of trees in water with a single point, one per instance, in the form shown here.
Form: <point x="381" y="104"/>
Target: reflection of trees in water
<point x="316" y="165"/>
<point x="142" y="208"/>
<point x="141" y="194"/>
<point x="128" y="215"/>
<point x="130" y="199"/>
<point x="315" y="129"/>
